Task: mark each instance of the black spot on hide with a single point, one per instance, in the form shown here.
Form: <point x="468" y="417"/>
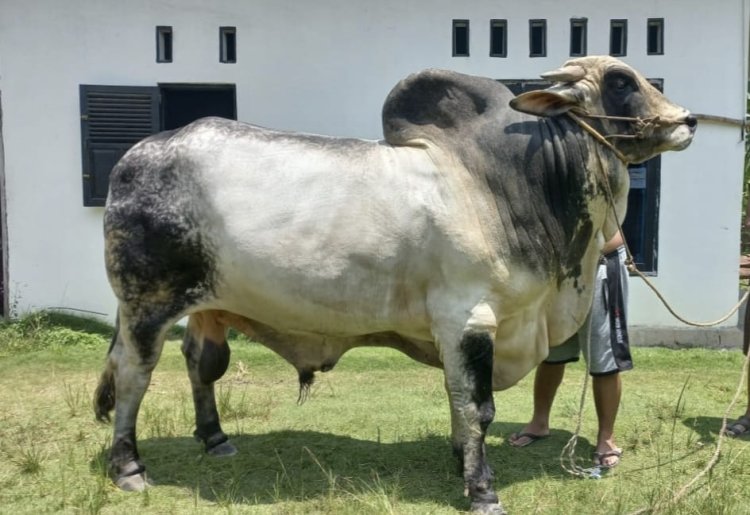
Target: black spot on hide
<point x="478" y="351"/>
<point x="158" y="255"/>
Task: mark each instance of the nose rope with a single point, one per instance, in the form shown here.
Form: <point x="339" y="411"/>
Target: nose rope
<point x="642" y="128"/>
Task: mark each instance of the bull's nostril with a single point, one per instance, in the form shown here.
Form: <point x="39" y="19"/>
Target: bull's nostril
<point x="691" y="121"/>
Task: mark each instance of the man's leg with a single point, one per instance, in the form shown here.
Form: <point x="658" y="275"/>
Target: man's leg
<point x="741" y="426"/>
<point x="546" y="381"/>
<point x="607" y="393"/>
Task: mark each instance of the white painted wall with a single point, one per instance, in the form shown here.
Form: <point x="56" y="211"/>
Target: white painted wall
<point x="326" y="67"/>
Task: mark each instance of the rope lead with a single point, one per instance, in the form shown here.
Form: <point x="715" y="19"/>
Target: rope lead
<point x="643" y="127"/>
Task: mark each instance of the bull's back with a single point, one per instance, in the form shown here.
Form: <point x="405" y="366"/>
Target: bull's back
<point x="308" y="232"/>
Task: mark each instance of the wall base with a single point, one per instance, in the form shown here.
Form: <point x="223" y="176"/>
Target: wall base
<point x="687" y="337"/>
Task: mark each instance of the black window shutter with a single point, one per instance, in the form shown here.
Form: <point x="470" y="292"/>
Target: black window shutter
<point x="113" y="119"/>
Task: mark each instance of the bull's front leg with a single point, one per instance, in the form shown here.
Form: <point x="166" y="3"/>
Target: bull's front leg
<point x="468" y="379"/>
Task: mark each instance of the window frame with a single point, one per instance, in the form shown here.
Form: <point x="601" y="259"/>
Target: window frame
<point x="655" y="22"/>
<point x="623" y="25"/>
<point x="496" y="23"/>
<point x="581" y="23"/>
<point x="457" y="24"/>
<point x="164" y="44"/>
<point x="538" y="23"/>
<point x="224" y="45"/>
<point x="108" y="130"/>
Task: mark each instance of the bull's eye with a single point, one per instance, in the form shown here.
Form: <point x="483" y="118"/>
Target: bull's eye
<point x="619" y="93"/>
<point x="620" y="83"/>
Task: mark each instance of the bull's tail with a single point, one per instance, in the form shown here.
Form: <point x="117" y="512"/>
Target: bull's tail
<point x="104" y="396"/>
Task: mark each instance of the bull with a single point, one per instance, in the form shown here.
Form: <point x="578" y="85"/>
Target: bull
<point x="466" y="239"/>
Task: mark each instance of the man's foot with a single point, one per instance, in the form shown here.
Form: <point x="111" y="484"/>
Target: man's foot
<point x="524" y="439"/>
<point x="607" y="459"/>
<point x="739" y="427"/>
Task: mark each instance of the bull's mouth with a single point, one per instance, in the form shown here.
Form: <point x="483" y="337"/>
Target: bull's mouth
<point x="672" y="138"/>
<point x="682" y="135"/>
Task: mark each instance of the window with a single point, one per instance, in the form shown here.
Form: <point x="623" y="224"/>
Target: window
<point x="163" y="44"/>
<point x="228" y="44"/>
<point x="537" y="38"/>
<point x="655" y="36"/>
<point x="618" y="38"/>
<point x="641" y="225"/>
<point x="460" y="38"/>
<point x="498" y="38"/>
<point x="114" y="118"/>
<point x="578" y="27"/>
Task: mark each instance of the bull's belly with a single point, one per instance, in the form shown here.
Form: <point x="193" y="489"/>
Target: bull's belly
<point x="312" y="323"/>
<point x="313" y="318"/>
<point x="352" y="303"/>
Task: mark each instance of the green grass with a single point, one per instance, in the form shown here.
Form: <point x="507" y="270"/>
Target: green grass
<point x="373" y="437"/>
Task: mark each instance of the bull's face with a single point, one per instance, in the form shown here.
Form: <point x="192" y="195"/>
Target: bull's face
<point x="633" y="115"/>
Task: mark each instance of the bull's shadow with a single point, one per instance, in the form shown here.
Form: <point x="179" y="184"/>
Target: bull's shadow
<point x="301" y="465"/>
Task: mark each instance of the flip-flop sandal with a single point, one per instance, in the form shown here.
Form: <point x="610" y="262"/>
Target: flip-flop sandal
<point x="526" y="439"/>
<point x="739" y="427"/>
<point x="599" y="458"/>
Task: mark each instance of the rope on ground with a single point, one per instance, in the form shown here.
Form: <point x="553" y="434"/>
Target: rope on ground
<point x="569" y="449"/>
<point x="686" y="488"/>
<point x="568" y="454"/>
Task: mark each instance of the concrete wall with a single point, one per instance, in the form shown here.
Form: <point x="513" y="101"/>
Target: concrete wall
<point x="326" y="67"/>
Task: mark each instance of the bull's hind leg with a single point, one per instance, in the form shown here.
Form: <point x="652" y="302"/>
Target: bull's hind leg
<point x="207" y="356"/>
<point x="467" y="356"/>
<point x="134" y="352"/>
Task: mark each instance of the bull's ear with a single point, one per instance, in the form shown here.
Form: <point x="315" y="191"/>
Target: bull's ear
<point x="545" y="102"/>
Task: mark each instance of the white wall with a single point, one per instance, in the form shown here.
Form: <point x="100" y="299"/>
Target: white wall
<point x="326" y="67"/>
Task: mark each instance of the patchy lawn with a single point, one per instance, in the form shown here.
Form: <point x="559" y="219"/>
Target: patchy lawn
<point x="373" y="437"/>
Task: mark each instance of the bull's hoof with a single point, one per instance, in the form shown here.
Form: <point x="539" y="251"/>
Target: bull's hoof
<point x="133" y="483"/>
<point x="488" y="508"/>
<point x="224" y="449"/>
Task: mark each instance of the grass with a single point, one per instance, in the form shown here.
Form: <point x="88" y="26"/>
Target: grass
<point x="371" y="438"/>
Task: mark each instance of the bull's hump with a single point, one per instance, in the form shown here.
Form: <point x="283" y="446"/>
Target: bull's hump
<point x="432" y="103"/>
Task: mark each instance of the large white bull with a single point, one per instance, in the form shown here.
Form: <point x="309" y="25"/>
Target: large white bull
<point x="466" y="239"/>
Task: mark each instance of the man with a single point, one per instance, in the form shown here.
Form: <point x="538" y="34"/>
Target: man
<point x="741" y="426"/>
<point x="605" y="332"/>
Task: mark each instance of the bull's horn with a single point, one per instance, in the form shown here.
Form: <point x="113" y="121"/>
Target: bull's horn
<point x="569" y="73"/>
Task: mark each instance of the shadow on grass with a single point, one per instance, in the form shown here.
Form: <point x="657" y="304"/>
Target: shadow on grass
<point x="309" y="465"/>
<point x="706" y="427"/>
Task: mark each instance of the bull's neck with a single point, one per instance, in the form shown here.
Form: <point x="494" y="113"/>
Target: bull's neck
<point x="578" y="170"/>
<point x="582" y="151"/>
